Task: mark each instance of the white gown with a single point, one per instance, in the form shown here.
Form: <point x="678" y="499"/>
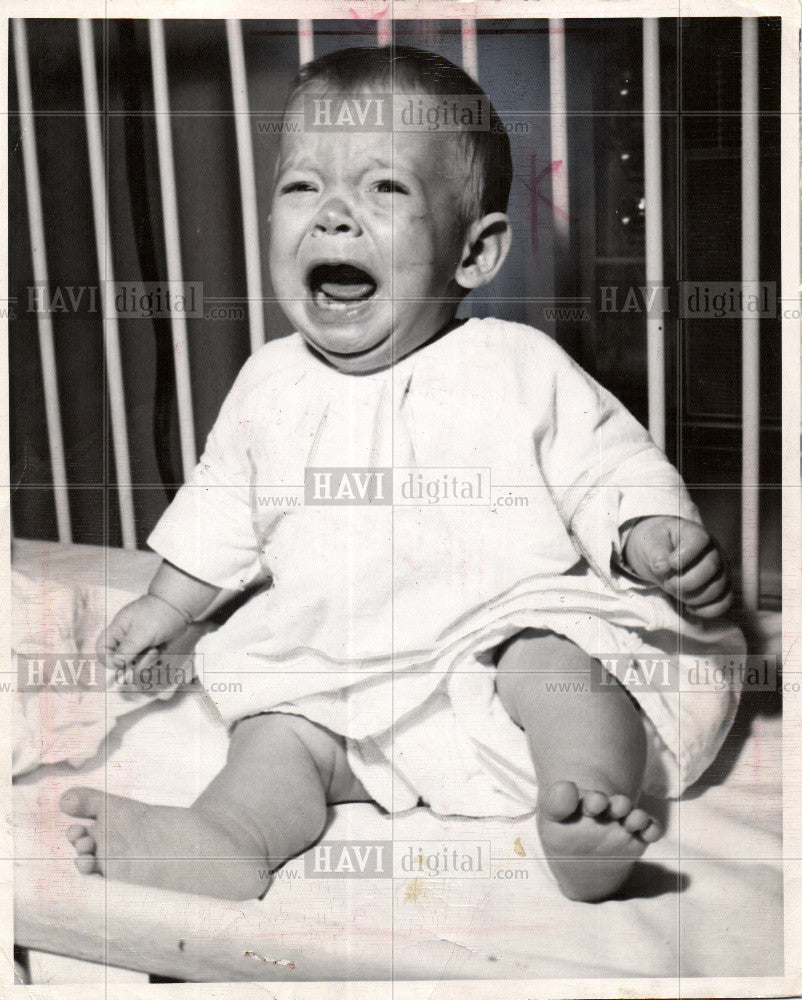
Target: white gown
<point x="381" y="620"/>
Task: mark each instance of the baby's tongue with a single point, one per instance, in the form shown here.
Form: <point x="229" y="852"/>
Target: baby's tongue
<point x="344" y="281"/>
<point x="338" y="290"/>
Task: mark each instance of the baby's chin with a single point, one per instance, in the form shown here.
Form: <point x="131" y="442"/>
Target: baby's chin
<point x="360" y="355"/>
<point x="364" y="347"/>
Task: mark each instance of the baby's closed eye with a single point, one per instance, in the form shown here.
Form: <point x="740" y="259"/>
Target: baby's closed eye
<point x="389" y="185"/>
<point x="297" y="186"/>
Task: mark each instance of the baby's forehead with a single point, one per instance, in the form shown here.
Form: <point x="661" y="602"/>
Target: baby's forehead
<point x="368" y="119"/>
<point x="317" y="106"/>
<point x="317" y="100"/>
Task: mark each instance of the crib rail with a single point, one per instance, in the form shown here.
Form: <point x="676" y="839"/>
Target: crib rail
<point x="247" y="177"/>
<point x="105" y="267"/>
<point x="44" y="319"/>
<point x="653" y="200"/>
<point x="750" y="325"/>
<point x="169" y="194"/>
<point x="655" y="327"/>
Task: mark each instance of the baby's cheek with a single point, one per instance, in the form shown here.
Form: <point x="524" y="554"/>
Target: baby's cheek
<point x="416" y="254"/>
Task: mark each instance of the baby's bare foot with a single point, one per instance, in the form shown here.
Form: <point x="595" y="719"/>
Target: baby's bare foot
<point x="174" y="848"/>
<point x="591" y="839"/>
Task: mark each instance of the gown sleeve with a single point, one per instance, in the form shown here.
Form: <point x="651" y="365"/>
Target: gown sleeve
<point x="208" y="529"/>
<point x="599" y="464"/>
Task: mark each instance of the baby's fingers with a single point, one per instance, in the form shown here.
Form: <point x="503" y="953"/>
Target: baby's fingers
<point x="113" y="644"/>
<point x="705" y="588"/>
<point x="130" y="680"/>
<point x="716" y="608"/>
<point x="703" y="572"/>
<point x="690" y="541"/>
<point x="109" y="641"/>
<point x="713" y="592"/>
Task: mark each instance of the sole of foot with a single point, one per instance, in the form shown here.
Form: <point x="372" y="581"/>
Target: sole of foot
<point x="592" y="839"/>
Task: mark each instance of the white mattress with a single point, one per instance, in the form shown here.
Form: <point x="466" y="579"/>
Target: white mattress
<point x="705" y="901"/>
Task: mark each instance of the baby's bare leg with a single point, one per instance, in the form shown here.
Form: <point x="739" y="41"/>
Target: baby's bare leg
<point x="589" y="751"/>
<point x="266" y="805"/>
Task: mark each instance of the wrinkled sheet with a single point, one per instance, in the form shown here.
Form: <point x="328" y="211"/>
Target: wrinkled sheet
<point x="706" y="900"/>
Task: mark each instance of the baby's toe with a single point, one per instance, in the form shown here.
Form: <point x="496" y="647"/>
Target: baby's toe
<point x="85" y="845"/>
<point x="559" y="800"/>
<point x="620" y="806"/>
<point x="652" y="832"/>
<point x="84" y="803"/>
<point x="86" y="864"/>
<point x="637" y="821"/>
<point x="75" y="831"/>
<point x="594" y="803"/>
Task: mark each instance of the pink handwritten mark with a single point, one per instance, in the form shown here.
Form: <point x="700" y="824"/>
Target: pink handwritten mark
<point x="536" y="195"/>
<point x="369" y="17"/>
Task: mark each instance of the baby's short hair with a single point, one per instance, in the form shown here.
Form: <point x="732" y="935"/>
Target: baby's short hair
<point x="405" y="69"/>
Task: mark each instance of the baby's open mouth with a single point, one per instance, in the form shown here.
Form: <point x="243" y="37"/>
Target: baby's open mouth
<point x="345" y="284"/>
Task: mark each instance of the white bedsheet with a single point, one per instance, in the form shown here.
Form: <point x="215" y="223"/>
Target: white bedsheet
<point x="706" y="900"/>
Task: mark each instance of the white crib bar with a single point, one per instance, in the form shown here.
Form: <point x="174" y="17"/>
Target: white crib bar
<point x="750" y="325"/>
<point x="384" y="31"/>
<point x="111" y="326"/>
<point x="653" y="199"/>
<point x="470" y="47"/>
<point x="44" y="318"/>
<point x="247" y="183"/>
<point x="559" y="129"/>
<point x="172" y="240"/>
<point x="306" y="41"/>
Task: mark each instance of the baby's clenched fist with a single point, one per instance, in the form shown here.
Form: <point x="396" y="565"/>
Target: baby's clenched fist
<point x="682" y="559"/>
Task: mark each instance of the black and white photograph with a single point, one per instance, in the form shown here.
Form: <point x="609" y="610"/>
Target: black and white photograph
<point x="403" y="499"/>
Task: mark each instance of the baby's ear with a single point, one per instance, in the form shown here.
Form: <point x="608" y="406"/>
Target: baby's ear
<point x="486" y="245"/>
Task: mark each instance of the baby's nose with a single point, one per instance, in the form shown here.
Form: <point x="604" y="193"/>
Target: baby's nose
<point x="335" y="216"/>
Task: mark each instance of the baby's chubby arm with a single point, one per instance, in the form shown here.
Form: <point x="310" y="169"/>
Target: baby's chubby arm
<point x="681" y="558"/>
<point x="174" y="599"/>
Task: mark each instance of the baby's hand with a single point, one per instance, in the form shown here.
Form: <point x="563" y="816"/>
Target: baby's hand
<point x="140" y="626"/>
<point x="681" y="558"/>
